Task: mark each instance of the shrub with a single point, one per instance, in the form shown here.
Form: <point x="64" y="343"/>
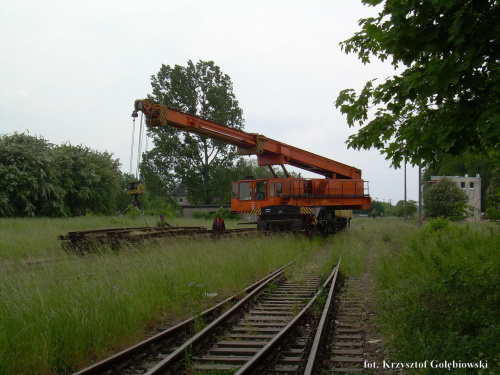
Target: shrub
<point x="445" y="199"/>
<point x="226" y="214"/>
<point x="223" y="212"/>
<point x="201" y="215"/>
<point x="438" y="294"/>
<point x="439" y="224"/>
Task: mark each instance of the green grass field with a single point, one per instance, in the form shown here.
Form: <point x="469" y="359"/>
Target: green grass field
<point x="59" y="311"/>
<point x="436" y="288"/>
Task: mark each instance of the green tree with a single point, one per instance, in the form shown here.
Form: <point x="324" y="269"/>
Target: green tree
<point x="122" y="200"/>
<point x="445" y="199"/>
<point x="158" y="167"/>
<point x="377" y="208"/>
<point x="411" y="208"/>
<point x="382" y="208"/>
<point x="246" y="167"/>
<point x="389" y="209"/>
<point x="42" y="179"/>
<point x="445" y="98"/>
<point x="467" y="163"/>
<point x="493" y="197"/>
<point x="29" y="183"/>
<point x="89" y="178"/>
<point x="197" y="162"/>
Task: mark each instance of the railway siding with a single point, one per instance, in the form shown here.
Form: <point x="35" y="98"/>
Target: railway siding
<point x="270" y="330"/>
<point x="355" y="345"/>
<point x="86" y="240"/>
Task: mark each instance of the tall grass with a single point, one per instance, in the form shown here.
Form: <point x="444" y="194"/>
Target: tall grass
<point x="436" y="287"/>
<point x="438" y="291"/>
<point x="356" y="243"/>
<point x="26" y="238"/>
<point x="58" y="311"/>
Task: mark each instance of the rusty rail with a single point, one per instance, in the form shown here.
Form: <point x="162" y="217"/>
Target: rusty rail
<point x="122" y="359"/>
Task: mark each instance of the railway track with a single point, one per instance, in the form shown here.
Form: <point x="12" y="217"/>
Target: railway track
<point x="276" y="326"/>
<point x="87" y="239"/>
<point x="137" y="358"/>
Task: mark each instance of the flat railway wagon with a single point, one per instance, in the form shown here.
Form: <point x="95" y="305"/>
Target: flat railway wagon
<point x="280" y="203"/>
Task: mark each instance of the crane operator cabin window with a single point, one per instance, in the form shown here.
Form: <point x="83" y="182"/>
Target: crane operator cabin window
<point x="245" y="191"/>
<point x="260" y="190"/>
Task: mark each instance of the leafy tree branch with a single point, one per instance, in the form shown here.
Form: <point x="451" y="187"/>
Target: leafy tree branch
<point x="446" y="98"/>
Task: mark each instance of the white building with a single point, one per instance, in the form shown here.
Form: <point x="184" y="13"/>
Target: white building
<point x="471" y="186"/>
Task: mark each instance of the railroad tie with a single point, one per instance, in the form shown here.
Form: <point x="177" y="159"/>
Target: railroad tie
<point x="266" y="318"/>
<point x="347" y="354"/>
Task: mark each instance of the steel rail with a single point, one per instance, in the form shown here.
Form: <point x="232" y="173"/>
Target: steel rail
<point x="173" y="357"/>
<point x="271" y="345"/>
<point x="313" y="355"/>
<point x="112" y="361"/>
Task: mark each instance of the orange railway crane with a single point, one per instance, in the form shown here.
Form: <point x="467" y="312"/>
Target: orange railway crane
<point x="308" y="204"/>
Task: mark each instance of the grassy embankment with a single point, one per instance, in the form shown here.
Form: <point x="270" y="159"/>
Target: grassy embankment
<point x="59" y="310"/>
<point x="437" y="289"/>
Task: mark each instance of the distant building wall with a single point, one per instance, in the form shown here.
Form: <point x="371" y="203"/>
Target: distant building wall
<point x="471" y="186"/>
<point x="180" y="195"/>
<point x="182" y="200"/>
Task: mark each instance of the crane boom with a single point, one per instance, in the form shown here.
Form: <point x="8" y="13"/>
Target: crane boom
<point x="269" y="151"/>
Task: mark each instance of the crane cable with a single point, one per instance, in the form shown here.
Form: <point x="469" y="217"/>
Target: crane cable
<point x="139" y="146"/>
<point x="132" y="146"/>
<point x="139" y="150"/>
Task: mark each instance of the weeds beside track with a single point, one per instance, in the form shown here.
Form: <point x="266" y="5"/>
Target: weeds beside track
<point x="58" y="310"/>
<point x="63" y="313"/>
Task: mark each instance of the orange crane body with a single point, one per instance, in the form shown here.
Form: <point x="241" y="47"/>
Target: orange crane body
<point x="298" y="199"/>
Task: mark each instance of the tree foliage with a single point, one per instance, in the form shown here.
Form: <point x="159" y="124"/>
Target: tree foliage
<point x="123" y="201"/>
<point x="467" y="163"/>
<point x="446" y="98"/>
<point x="29" y="183"/>
<point x="493" y="197"/>
<point x="197" y="162"/>
<point x="42" y="179"/>
<point x="89" y="178"/>
<point x="445" y="199"/>
<point x="385" y="209"/>
<point x="411" y="208"/>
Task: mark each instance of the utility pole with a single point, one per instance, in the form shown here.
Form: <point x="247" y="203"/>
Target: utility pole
<point x="420" y="194"/>
<point x="404" y="212"/>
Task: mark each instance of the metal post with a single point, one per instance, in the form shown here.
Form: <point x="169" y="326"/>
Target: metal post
<point x="420" y="194"/>
<point x="404" y="214"/>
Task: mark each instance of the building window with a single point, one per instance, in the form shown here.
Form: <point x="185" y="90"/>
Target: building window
<point x="181" y="200"/>
<point x="471" y="185"/>
<point x="462" y="185"/>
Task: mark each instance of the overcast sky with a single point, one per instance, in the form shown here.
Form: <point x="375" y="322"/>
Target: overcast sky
<point x="71" y="70"/>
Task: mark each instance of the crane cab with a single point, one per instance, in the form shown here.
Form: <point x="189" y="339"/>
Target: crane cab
<point x="268" y="200"/>
<point x="249" y="196"/>
<point x="299" y="203"/>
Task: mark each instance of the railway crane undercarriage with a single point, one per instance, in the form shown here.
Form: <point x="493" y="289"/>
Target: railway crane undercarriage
<point x="312" y="205"/>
